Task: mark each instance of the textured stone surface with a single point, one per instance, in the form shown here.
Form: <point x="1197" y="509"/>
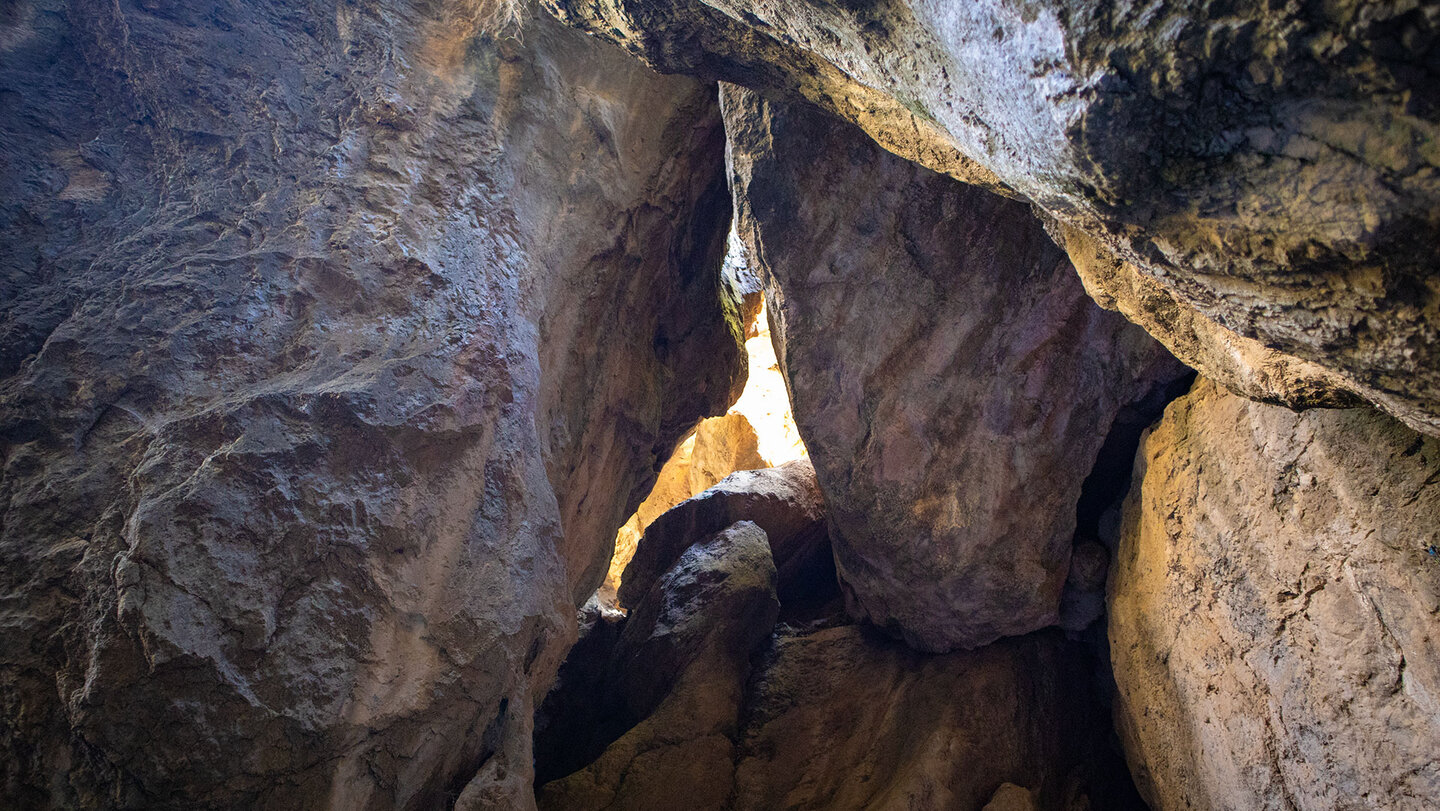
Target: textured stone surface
<point x="719" y="446"/>
<point x="334" y="345"/>
<point x="1274" y="166"/>
<point x="758" y="431"/>
<point x="951" y="379"/>
<point x="1273" y="610"/>
<point x="677" y="674"/>
<point x="844" y="718"/>
<point x="785" y="501"/>
<point x="1010" y="797"/>
<point x="836" y="718"/>
<point x="1243" y="365"/>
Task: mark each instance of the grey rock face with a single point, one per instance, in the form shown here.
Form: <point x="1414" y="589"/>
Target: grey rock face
<point x="950" y="377"/>
<point x="1272" y="609"/>
<point x="1274" y="168"/>
<point x="336" y="344"/>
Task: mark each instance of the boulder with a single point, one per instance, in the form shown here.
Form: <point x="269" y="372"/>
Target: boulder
<point x="676" y="680"/>
<point x="1272" y="609"/>
<point x="784" y="501"/>
<point x="951" y="379"/>
<point x="1010" y="797"/>
<point x="719" y="446"/>
<point x="335" y="342"/>
<point x="670" y="715"/>
<point x="1274" y="170"/>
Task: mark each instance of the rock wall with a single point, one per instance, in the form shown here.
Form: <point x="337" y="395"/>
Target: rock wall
<point x="1273" y="609"/>
<point x="1271" y="167"/>
<point x="677" y="675"/>
<point x="951" y="379"/>
<point x="335" y="343"/>
<point x="757" y="432"/>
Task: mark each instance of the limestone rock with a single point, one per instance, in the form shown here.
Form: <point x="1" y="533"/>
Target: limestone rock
<point x="334" y="344"/>
<point x="840" y="717"/>
<point x="845" y="718"/>
<point x="951" y="379"/>
<point x="723" y="445"/>
<point x="678" y="673"/>
<point x="784" y="501"/>
<point x="1275" y="169"/>
<point x="1272" y="610"/>
<point x="758" y="431"/>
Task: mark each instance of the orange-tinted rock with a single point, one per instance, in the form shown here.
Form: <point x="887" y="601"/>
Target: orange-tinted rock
<point x="719" y="446"/>
<point x="1273" y="609"/>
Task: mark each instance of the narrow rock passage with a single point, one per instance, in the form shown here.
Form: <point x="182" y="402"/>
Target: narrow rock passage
<point x="758" y="430"/>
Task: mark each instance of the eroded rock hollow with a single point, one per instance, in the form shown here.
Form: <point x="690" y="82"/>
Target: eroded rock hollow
<point x="375" y="430"/>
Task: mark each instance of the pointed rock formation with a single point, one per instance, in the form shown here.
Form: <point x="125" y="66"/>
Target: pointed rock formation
<point x="334" y="344"/>
<point x="950" y="377"/>
<point x="1273" y="609"/>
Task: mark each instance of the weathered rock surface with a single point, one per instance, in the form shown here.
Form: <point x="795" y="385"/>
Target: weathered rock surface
<point x="757" y="432"/>
<point x="676" y="676"/>
<point x="842" y="718"/>
<point x="1010" y="797"/>
<point x="334" y="345"/>
<point x="784" y="501"/>
<point x="719" y="446"/>
<point x="951" y="379"/>
<point x="1276" y="168"/>
<point x="1243" y="365"/>
<point x="663" y="717"/>
<point x="1273" y="610"/>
